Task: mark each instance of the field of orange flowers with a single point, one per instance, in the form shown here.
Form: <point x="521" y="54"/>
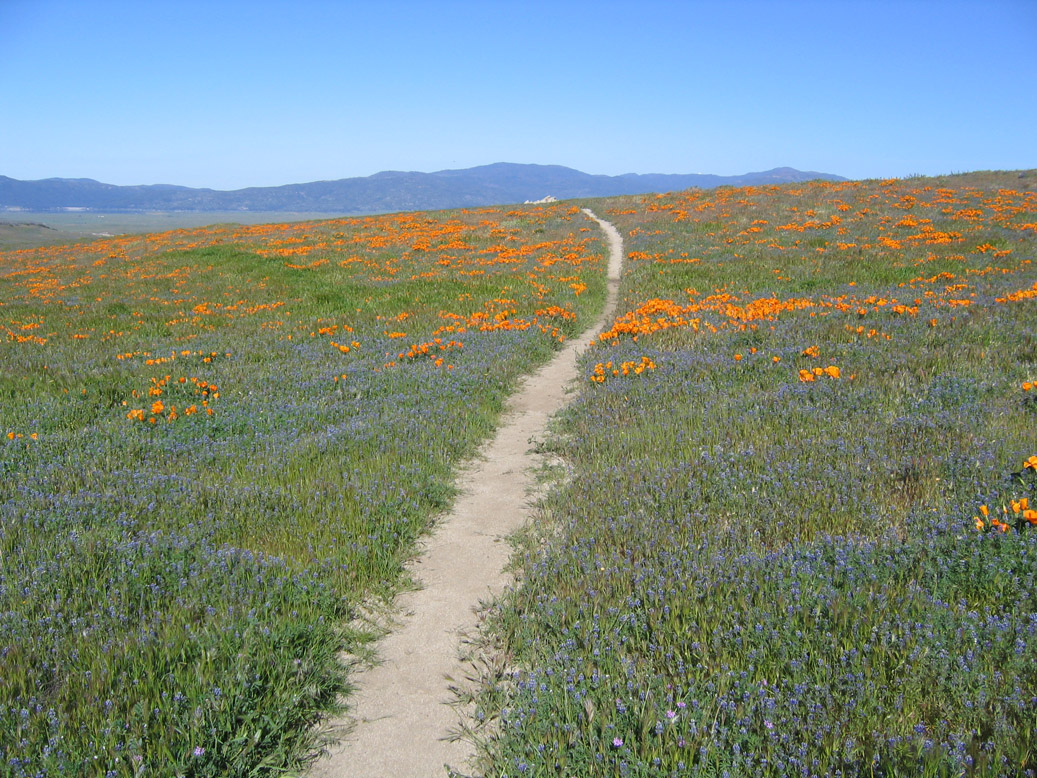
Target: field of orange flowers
<point x="799" y="534"/>
<point x="215" y="443"/>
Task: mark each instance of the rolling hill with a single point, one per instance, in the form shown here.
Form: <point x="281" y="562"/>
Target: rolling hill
<point x="383" y="192"/>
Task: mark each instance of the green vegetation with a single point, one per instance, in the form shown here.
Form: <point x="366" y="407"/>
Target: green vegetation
<point x="216" y="444"/>
<point x="29" y="229"/>
<point x="778" y="550"/>
<point x="796" y="537"/>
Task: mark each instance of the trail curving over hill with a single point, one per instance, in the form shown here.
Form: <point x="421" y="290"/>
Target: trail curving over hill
<point x="400" y="717"/>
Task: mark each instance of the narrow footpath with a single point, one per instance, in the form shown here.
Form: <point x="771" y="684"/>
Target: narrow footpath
<point x="399" y="718"/>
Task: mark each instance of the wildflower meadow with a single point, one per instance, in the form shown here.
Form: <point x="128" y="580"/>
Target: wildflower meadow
<point x="793" y="534"/>
<point x="790" y="530"/>
<point x="216" y="444"/>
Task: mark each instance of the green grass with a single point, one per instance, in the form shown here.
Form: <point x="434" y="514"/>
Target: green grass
<point x="760" y="565"/>
<point x="176" y="591"/>
<point x="30" y="229"/>
<point x="753" y="574"/>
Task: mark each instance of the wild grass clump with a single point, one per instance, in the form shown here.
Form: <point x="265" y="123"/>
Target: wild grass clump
<point x="215" y="444"/>
<point x="796" y="541"/>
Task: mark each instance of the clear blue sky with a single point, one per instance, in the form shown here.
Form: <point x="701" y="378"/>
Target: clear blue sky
<point x="228" y="94"/>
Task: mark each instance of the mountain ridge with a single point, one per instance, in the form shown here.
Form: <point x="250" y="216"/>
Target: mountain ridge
<point x="498" y="183"/>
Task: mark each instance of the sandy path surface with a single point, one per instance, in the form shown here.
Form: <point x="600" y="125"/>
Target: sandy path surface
<point x="399" y="719"/>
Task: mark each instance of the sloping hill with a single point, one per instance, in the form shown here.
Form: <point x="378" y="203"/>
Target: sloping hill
<point x="382" y="192"/>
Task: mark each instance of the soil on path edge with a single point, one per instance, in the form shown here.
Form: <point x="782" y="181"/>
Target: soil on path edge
<point x="400" y="718"/>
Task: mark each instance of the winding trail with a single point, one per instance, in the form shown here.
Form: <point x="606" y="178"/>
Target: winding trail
<point x="400" y="716"/>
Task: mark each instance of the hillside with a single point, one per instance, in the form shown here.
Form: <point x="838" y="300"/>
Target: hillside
<point x="384" y="192"/>
<point x="785" y="524"/>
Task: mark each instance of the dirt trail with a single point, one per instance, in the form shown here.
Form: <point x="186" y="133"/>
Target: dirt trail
<point x="399" y="715"/>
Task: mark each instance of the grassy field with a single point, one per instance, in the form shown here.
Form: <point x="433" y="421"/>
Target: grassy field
<point x="216" y="443"/>
<point x="793" y="535"/>
<point x="796" y="536"/>
<point x="26" y="229"/>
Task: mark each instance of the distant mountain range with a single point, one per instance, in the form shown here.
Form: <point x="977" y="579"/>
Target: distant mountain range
<point x="385" y="192"/>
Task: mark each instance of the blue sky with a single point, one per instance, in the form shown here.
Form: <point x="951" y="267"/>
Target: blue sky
<point x="227" y="94"/>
